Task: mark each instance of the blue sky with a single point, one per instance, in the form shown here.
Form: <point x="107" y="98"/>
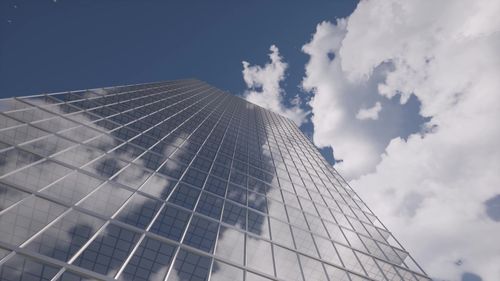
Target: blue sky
<point x="64" y="45"/>
<point x="405" y="92"/>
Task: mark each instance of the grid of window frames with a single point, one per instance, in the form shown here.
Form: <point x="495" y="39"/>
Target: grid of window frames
<point x="177" y="181"/>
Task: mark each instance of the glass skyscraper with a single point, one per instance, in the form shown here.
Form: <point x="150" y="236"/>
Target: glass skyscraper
<point x="177" y="181"/>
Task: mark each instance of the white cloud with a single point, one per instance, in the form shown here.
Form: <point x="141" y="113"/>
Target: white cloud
<point x="337" y="101"/>
<point x="369" y="113"/>
<point x="446" y="54"/>
<point x="264" y="89"/>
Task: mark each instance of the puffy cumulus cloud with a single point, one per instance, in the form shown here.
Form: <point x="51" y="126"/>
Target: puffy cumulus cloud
<point x="430" y="188"/>
<point x="264" y="89"/>
<point x="369" y="113"/>
<point x="339" y="105"/>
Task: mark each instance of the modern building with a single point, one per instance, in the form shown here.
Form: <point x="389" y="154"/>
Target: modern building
<point x="177" y="181"/>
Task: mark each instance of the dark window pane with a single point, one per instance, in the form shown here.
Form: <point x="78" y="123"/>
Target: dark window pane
<point x="171" y="223"/>
<point x="237" y="194"/>
<point x="216" y="185"/>
<point x="70" y="276"/>
<point x="235" y="215"/>
<point x="257" y="224"/>
<point x="190" y="266"/>
<point x="210" y="205"/>
<point x="201" y="234"/>
<point x="185" y="196"/>
<point x="150" y="262"/>
<point x="194" y="177"/>
<point x="108" y="251"/>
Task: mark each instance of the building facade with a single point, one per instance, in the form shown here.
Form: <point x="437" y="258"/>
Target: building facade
<point x="177" y="181"/>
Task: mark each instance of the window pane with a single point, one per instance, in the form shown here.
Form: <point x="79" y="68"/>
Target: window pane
<point x="190" y="266"/>
<point x="230" y="244"/>
<point x="259" y="255"/>
<point x="139" y="211"/>
<point x="65" y="237"/>
<point x="10" y="196"/>
<point x="14" y="158"/>
<point x="210" y="205"/>
<point x="73" y="187"/>
<point x="27" y="218"/>
<point x="38" y="176"/>
<point x="234" y="215"/>
<point x="48" y="146"/>
<point x="185" y="196"/>
<point x="281" y="232"/>
<point x="254" y="277"/>
<point x="171" y="223"/>
<point x="313" y="269"/>
<point x="107" y="199"/>
<point x="159" y="186"/>
<point x="201" y="234"/>
<point x="108" y="251"/>
<point x="150" y="262"/>
<point x="20" y="268"/>
<point x="225" y="272"/>
<point x="70" y="276"/>
<point x="287" y="264"/>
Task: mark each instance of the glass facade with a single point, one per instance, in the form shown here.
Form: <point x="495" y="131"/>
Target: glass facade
<point x="177" y="181"/>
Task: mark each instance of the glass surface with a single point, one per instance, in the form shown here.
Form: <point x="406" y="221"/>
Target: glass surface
<point x="192" y="164"/>
<point x="287" y="264"/>
<point x="37" y="176"/>
<point x="255" y="277"/>
<point x="210" y="205"/>
<point x="139" y="211"/>
<point x="259" y="255"/>
<point x="71" y="276"/>
<point x="149" y="262"/>
<point x="20" y="134"/>
<point x="106" y="199"/>
<point x="312" y="269"/>
<point x="185" y="196"/>
<point x="190" y="266"/>
<point x="10" y="196"/>
<point x="225" y="272"/>
<point x="20" y="268"/>
<point x="23" y="220"/>
<point x="73" y="187"/>
<point x="14" y="158"/>
<point x="230" y="244"/>
<point x="108" y="251"/>
<point x="201" y="234"/>
<point x="66" y="236"/>
<point x="171" y="222"/>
